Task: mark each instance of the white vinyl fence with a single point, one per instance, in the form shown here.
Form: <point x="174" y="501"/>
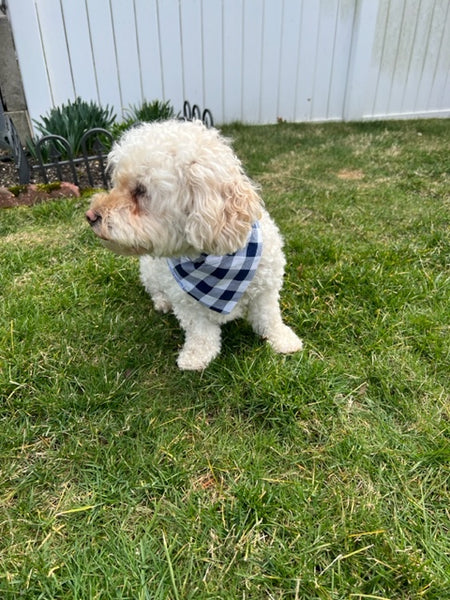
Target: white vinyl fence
<point x="250" y="60"/>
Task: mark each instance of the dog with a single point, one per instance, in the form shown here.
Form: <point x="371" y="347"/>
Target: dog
<point x="209" y="251"/>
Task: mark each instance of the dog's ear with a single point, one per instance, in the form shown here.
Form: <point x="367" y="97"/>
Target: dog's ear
<point x="222" y="209"/>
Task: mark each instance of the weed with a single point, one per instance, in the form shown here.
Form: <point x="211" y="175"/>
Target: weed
<point x="17" y="189"/>
<point x="49" y="187"/>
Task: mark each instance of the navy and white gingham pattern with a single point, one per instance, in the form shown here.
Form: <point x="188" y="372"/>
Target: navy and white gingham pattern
<point x="218" y="282"/>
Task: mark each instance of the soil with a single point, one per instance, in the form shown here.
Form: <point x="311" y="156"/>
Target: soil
<point x="8" y="171"/>
<point x="13" y="194"/>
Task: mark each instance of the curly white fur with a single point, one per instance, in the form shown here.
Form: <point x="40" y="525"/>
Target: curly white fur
<point x="179" y="190"/>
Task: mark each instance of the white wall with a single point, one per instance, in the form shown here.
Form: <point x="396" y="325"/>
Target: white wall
<point x="248" y="60"/>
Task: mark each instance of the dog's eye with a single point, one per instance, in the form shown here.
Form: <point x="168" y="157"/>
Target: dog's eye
<point x="138" y="191"/>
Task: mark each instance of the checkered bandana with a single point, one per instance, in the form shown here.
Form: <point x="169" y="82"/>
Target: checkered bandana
<point x="218" y="282"/>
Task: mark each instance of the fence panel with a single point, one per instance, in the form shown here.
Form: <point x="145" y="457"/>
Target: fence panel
<point x="102" y="48"/>
<point x="147" y="32"/>
<point x="232" y="53"/>
<point x="252" y="59"/>
<point x="248" y="60"/>
<point x="28" y="42"/>
<point x="80" y="56"/>
<point x="57" y="58"/>
<point x="270" y="63"/>
<point x="410" y="60"/>
<point x="191" y="23"/>
<point x="212" y="57"/>
<point x="171" y="50"/>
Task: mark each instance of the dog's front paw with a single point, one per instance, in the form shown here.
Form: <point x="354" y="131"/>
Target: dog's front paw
<point x="198" y="360"/>
<point x="201" y="346"/>
<point x="285" y="341"/>
<point x="161" y="303"/>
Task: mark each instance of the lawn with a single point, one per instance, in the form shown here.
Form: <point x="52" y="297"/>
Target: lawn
<point x="322" y="475"/>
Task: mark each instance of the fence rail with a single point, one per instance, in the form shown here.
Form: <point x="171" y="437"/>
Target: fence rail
<point x="56" y="148"/>
<point x="55" y="160"/>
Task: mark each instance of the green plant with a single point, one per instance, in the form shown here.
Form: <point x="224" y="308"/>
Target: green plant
<point x="17" y="189"/>
<point x="151" y="111"/>
<point x="49" y="187"/>
<point x="156" y="110"/>
<point x="72" y="120"/>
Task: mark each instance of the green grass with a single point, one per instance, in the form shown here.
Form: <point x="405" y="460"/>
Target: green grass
<point x="323" y="475"/>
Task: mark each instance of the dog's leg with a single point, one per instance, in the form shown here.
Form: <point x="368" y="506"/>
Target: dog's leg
<point x="151" y="270"/>
<point x="202" y="342"/>
<point x="265" y="317"/>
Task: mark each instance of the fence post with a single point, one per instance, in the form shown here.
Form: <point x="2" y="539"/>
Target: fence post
<point x="11" y="137"/>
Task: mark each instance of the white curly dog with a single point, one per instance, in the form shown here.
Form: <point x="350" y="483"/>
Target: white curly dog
<point x="208" y="249"/>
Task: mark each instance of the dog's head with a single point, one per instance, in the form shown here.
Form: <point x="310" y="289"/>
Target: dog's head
<point x="177" y="189"/>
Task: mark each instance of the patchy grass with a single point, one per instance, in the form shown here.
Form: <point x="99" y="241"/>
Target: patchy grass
<point x="321" y="475"/>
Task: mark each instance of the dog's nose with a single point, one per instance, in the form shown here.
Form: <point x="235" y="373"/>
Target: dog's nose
<point x="92" y="217"/>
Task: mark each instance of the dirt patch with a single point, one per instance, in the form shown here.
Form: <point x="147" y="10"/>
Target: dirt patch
<point x="350" y="174"/>
<point x="27" y="238"/>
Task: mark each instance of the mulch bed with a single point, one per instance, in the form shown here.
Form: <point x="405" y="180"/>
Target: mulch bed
<point x="13" y="194"/>
<point x="28" y="195"/>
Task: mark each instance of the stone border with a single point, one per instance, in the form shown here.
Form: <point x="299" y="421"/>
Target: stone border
<point x="28" y="195"/>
